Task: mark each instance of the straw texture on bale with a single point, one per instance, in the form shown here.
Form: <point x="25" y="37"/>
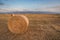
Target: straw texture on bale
<point x="18" y="24"/>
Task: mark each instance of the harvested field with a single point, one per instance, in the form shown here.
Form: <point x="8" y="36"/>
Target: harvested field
<point x="41" y="27"/>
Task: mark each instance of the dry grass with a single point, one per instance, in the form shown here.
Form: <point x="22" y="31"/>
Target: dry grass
<point x="41" y="27"/>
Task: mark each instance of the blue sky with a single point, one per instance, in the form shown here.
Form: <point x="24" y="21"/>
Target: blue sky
<point x="30" y="4"/>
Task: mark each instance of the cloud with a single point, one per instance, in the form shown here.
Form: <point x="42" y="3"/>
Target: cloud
<point x="51" y="9"/>
<point x="10" y="9"/>
<point x="15" y="9"/>
<point x="1" y="4"/>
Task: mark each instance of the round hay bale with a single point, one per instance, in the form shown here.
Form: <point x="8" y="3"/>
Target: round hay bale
<point x="18" y="24"/>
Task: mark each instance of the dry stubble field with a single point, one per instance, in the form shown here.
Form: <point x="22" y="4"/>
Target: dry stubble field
<point x="41" y="27"/>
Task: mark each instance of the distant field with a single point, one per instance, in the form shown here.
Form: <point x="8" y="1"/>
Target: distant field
<point x="41" y="27"/>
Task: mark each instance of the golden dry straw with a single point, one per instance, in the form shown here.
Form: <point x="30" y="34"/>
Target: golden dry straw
<point x="18" y="24"/>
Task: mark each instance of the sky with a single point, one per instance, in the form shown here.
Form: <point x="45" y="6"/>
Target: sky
<point x="30" y="5"/>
